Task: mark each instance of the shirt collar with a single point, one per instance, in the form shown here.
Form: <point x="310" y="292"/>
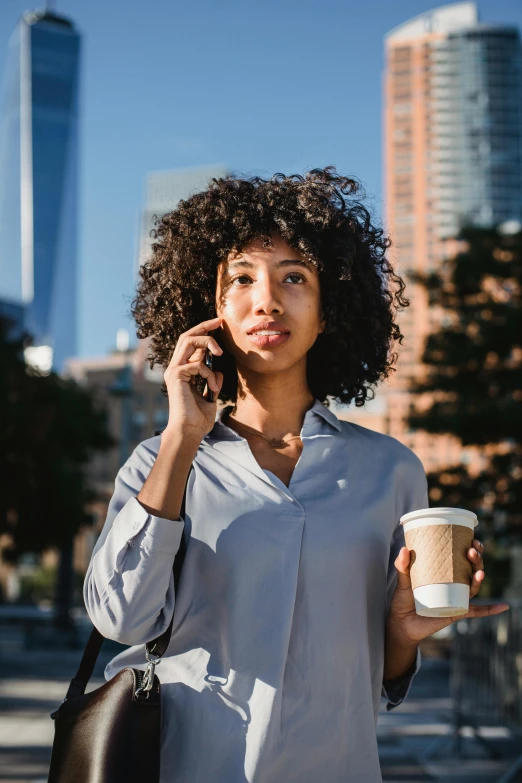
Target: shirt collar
<point x="328" y="415"/>
<point x="318" y="409"/>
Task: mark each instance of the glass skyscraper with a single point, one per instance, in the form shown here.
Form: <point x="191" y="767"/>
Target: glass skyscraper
<point x="453" y="119"/>
<point x="39" y="181"/>
<point x="453" y="155"/>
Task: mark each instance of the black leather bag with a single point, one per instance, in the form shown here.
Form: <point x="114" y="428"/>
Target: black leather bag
<point x="112" y="734"/>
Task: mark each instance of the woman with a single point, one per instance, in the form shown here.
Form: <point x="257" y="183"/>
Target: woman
<point x="295" y="611"/>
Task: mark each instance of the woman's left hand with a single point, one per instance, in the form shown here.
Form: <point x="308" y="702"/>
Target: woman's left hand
<point x="404" y="621"/>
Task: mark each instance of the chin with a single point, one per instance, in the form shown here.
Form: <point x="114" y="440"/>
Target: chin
<point x="269" y="361"/>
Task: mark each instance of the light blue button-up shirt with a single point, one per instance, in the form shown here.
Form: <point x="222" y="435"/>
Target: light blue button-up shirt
<point x="274" y="669"/>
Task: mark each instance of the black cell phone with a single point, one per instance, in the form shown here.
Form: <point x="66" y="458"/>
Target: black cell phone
<point x="208" y="361"/>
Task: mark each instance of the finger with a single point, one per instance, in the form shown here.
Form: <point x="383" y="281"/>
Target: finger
<point x="190" y="345"/>
<point x="476" y="558"/>
<point x="476" y="581"/>
<point x="187" y="371"/>
<point x="219" y="381"/>
<point x="204" y="326"/>
<point x="198" y="355"/>
<point x="484" y="611"/>
<point x="402" y="564"/>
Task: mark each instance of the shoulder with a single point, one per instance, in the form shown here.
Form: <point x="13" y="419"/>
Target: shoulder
<point x="144" y="455"/>
<point x="381" y="448"/>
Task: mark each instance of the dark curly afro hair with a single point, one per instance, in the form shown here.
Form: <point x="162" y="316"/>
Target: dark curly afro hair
<point x="317" y="216"/>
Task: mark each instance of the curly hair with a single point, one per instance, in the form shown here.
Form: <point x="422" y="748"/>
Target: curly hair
<point x="316" y="215"/>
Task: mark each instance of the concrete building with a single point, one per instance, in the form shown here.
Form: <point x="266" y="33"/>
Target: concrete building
<point x="453" y="154"/>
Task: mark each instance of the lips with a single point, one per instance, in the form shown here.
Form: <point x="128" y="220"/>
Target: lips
<point x="268" y="340"/>
<point x="268" y="326"/>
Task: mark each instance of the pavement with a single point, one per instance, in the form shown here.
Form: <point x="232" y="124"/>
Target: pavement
<point x="414" y="738"/>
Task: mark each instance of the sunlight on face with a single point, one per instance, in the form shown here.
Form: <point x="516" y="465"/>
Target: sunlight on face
<point x="274" y="285"/>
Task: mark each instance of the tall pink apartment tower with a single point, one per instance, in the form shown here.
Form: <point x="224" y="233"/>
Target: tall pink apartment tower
<point x="453" y="154"/>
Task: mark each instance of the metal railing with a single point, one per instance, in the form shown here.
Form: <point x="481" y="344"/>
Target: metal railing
<point x="486" y="681"/>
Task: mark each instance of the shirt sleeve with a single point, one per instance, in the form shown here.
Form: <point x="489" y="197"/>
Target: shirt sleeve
<point x="412" y="495"/>
<point x="395" y="691"/>
<point x="129" y="584"/>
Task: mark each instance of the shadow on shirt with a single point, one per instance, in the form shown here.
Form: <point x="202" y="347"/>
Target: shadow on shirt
<point x="214" y="613"/>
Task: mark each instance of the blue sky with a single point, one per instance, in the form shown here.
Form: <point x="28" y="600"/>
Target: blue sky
<point x="268" y="86"/>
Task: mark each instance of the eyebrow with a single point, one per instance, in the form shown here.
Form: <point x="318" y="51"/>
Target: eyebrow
<point x="283" y="263"/>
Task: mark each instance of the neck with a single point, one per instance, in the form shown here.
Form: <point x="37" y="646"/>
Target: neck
<point x="274" y="404"/>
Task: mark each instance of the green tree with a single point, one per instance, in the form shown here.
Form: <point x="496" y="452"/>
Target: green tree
<point x="50" y="428"/>
<point x="473" y="374"/>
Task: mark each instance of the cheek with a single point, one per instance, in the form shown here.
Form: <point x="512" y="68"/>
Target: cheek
<point x="311" y="312"/>
<point x="231" y="330"/>
<point x="235" y="311"/>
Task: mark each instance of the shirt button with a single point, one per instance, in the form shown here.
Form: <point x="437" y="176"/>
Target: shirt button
<point x="136" y="525"/>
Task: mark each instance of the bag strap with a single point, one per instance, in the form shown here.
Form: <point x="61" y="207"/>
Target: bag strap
<point x="95" y="641"/>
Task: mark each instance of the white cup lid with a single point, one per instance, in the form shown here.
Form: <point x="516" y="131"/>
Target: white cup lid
<point x="441" y="511"/>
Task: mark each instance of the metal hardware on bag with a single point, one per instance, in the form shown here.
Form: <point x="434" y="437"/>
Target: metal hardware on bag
<point x="148" y="677"/>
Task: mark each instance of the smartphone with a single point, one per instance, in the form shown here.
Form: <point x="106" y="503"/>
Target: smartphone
<point x="208" y="362"/>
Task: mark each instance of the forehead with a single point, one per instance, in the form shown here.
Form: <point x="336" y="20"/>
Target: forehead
<point x="255" y="248"/>
<point x="254" y="254"/>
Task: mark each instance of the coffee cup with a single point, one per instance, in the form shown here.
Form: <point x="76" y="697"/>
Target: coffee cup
<point x="441" y="572"/>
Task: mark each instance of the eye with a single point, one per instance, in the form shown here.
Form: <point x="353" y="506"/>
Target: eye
<point x="299" y="276"/>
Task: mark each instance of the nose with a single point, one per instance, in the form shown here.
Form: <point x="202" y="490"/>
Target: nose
<point x="267" y="296"/>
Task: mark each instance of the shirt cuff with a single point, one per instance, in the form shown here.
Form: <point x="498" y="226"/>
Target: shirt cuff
<point x="395" y="691"/>
<point x="136" y="526"/>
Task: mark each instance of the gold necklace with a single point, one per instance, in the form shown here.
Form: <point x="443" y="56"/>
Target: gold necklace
<point x="274" y="442"/>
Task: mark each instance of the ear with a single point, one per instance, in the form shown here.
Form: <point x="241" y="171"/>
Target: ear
<point x="322" y="324"/>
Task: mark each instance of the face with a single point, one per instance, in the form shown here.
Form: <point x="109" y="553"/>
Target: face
<point x="274" y="287"/>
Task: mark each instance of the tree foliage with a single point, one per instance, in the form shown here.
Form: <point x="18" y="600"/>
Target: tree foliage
<point x="473" y="375"/>
<point x="49" y="430"/>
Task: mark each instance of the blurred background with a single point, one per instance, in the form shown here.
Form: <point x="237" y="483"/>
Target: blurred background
<point x="112" y="112"/>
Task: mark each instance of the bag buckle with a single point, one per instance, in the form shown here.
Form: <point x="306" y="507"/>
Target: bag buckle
<point x="148" y="677"/>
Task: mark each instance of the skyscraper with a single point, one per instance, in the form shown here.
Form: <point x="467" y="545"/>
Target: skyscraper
<point x="453" y="154"/>
<point x="163" y="191"/>
<point x="39" y="181"/>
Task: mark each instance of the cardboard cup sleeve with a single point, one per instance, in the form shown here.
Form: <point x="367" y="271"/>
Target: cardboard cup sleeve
<point x="438" y="554"/>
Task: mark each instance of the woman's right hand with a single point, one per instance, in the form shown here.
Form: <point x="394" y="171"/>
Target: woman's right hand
<point x="190" y="414"/>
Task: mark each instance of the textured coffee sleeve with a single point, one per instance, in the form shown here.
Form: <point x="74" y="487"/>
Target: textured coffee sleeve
<point x="438" y="554"/>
